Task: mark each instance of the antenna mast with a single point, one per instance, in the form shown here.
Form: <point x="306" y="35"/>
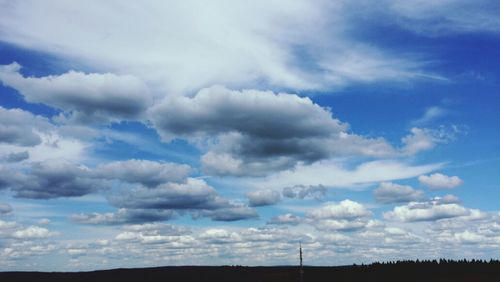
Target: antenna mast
<point x="301" y="267"/>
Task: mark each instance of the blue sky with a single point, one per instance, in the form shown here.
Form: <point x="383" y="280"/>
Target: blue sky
<point x="225" y="133"/>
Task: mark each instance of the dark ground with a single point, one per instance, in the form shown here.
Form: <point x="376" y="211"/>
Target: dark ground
<point x="403" y="271"/>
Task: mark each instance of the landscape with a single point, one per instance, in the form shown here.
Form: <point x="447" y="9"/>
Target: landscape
<point x="227" y="140"/>
<point x="460" y="271"/>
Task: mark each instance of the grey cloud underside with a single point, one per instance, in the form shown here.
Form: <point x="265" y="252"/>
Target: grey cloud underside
<point x="388" y="193"/>
<point x="304" y="192"/>
<point x="17" y="157"/>
<point x="263" y="198"/>
<point x="194" y="196"/>
<point x="148" y="173"/>
<point x="124" y="216"/>
<point x="255" y="113"/>
<point x="52" y="179"/>
<point x="162" y="190"/>
<point x="230" y="213"/>
<point x="17" y="127"/>
<point x="83" y="98"/>
<point x="285" y="219"/>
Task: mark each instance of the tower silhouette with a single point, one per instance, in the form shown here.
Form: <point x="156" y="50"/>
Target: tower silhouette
<point x="301" y="267"/>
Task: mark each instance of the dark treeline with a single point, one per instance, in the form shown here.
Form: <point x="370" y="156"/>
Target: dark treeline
<point x="404" y="270"/>
<point x="434" y="261"/>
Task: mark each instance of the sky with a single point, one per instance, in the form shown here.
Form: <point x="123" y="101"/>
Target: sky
<point x="226" y="132"/>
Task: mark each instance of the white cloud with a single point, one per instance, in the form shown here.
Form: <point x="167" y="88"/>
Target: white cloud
<point x="430" y="114"/>
<point x="218" y="43"/>
<point x="346" y="209"/>
<point x="33" y="232"/>
<point x="422" y="139"/>
<point x="440" y="181"/>
<point x="435" y="18"/>
<point x="337" y="174"/>
<point x="427" y="211"/>
<point x="344" y="216"/>
<point x="23" y="134"/>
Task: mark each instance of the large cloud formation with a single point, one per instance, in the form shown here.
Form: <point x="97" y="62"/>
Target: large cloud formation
<point x="253" y="132"/>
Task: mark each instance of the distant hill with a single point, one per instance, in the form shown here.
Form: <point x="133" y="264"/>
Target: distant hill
<point x="429" y="271"/>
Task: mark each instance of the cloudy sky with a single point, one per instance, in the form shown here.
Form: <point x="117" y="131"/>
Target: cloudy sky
<point x="226" y="132"/>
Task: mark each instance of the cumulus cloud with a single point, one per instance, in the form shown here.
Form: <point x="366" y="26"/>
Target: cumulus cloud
<point x="148" y="173"/>
<point x="346" y="209"/>
<point x="33" y="232"/>
<point x="437" y="181"/>
<point x="255" y="113"/>
<point x="285" y="219"/>
<point x="344" y="216"/>
<point x="193" y="195"/>
<point x="56" y="178"/>
<point x="124" y="216"/>
<point x="269" y="131"/>
<point x="25" y="136"/>
<point x="432" y="210"/>
<point x="263" y="198"/>
<point x="51" y="179"/>
<point x="389" y="192"/>
<point x="85" y="97"/>
<point x="229" y="213"/>
<point x="19" y="127"/>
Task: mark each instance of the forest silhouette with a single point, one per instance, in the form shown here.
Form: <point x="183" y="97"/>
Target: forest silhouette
<point x="426" y="270"/>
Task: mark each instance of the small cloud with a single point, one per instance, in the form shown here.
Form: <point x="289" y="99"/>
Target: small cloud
<point x="430" y="114"/>
<point x="304" y="192"/>
<point x="263" y="198"/>
<point x="437" y="181"/>
<point x="389" y="192"/>
<point x="285" y="219"/>
<point x="432" y="210"/>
